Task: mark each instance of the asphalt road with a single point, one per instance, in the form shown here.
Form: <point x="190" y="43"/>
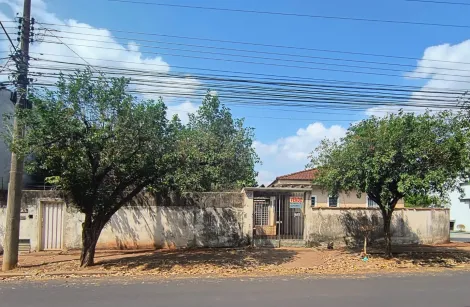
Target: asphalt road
<point x="443" y="290"/>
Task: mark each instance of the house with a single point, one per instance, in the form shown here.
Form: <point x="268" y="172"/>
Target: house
<point x="460" y="208"/>
<point x="319" y="197"/>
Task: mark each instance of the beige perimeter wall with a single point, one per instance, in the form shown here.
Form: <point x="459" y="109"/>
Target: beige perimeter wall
<point x="344" y="226"/>
<point x="198" y="219"/>
<point x="220" y="220"/>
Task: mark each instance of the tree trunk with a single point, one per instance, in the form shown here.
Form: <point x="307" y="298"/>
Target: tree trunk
<point x="388" y="235"/>
<point x="365" y="246"/>
<point x="90" y="235"/>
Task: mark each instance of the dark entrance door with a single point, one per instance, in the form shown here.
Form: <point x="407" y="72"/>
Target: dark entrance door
<point x="291" y="217"/>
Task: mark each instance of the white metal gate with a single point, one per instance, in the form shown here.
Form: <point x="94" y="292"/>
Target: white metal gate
<point x="52" y="225"/>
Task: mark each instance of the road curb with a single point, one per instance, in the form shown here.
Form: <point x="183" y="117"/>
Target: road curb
<point x="45" y="274"/>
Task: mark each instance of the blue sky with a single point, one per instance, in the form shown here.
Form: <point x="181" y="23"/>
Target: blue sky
<point x="281" y="143"/>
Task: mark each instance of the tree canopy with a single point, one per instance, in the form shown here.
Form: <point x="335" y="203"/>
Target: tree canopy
<point x="426" y="201"/>
<point x="99" y="145"/>
<point x="217" y="149"/>
<point x="396" y="156"/>
<point x="102" y="146"/>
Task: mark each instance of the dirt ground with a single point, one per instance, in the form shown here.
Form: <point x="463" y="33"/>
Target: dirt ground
<point x="245" y="262"/>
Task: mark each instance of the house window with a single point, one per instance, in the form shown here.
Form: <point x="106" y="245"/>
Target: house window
<point x="313" y="200"/>
<point x="371" y="203"/>
<point x="333" y="201"/>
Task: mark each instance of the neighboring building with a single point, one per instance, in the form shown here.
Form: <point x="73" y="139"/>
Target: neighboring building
<point x="320" y="197"/>
<point x="460" y="208"/>
<point x="6" y="107"/>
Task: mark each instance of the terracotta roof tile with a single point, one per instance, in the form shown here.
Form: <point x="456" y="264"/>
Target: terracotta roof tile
<point x="308" y="174"/>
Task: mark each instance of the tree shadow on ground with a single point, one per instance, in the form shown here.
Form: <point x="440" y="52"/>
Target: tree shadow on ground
<point x="221" y="257"/>
<point x="73" y="255"/>
<point x="439" y="255"/>
<point x="444" y="255"/>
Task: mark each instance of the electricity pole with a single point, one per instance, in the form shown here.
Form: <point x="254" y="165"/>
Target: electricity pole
<point x="12" y="233"/>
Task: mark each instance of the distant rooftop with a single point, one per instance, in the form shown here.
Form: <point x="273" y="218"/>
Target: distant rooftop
<point x="308" y="174"/>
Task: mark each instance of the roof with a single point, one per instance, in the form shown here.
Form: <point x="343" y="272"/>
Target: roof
<point x="276" y="189"/>
<point x="308" y="174"/>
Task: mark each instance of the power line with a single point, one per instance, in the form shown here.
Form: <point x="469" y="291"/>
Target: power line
<point x="261" y="76"/>
<point x="252" y="73"/>
<point x="278" y="100"/>
<point x="273" y="64"/>
<point x="8" y="35"/>
<point x="426" y="95"/>
<point x="265" y="45"/>
<point x="294" y="14"/>
<point x="327" y="98"/>
<point x="5" y="65"/>
<point x="310" y="103"/>
<point x="67" y="46"/>
<point x="248" y="51"/>
<point x="204" y="77"/>
<point x="272" y="59"/>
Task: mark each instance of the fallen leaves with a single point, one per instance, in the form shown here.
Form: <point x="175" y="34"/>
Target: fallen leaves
<point x="236" y="262"/>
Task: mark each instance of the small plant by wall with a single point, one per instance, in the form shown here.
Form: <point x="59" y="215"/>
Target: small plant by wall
<point x="460" y="227"/>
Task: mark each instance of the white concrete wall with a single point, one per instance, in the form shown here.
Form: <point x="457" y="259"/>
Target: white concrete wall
<point x="460" y="211"/>
<point x="214" y="220"/>
<point x="343" y="226"/>
<point x="30" y="219"/>
<point x="222" y="219"/>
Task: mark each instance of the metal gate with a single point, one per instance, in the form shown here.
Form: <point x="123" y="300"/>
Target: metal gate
<point x="52" y="224"/>
<point x="279" y="216"/>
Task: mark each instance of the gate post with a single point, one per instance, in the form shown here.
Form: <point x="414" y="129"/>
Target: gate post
<point x="248" y="214"/>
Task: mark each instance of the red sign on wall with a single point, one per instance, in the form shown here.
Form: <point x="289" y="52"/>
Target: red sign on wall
<point x="296" y="202"/>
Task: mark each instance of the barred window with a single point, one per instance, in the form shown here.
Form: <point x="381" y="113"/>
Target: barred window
<point x="261" y="213"/>
<point x="333" y="201"/>
<point x="371" y="203"/>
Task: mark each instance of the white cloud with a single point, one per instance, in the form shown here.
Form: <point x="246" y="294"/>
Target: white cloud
<point x="290" y="154"/>
<point x="382" y="111"/>
<point x="266" y="177"/>
<point x="444" y="62"/>
<point x="182" y="110"/>
<point x="104" y="51"/>
<point x="443" y="66"/>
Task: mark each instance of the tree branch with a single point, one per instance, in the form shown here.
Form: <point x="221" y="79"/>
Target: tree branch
<point x="127" y="198"/>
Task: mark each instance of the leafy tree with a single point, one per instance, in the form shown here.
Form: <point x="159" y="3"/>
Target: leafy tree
<point x="421" y="200"/>
<point x="217" y="150"/>
<point x="99" y="145"/>
<point x="393" y="157"/>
